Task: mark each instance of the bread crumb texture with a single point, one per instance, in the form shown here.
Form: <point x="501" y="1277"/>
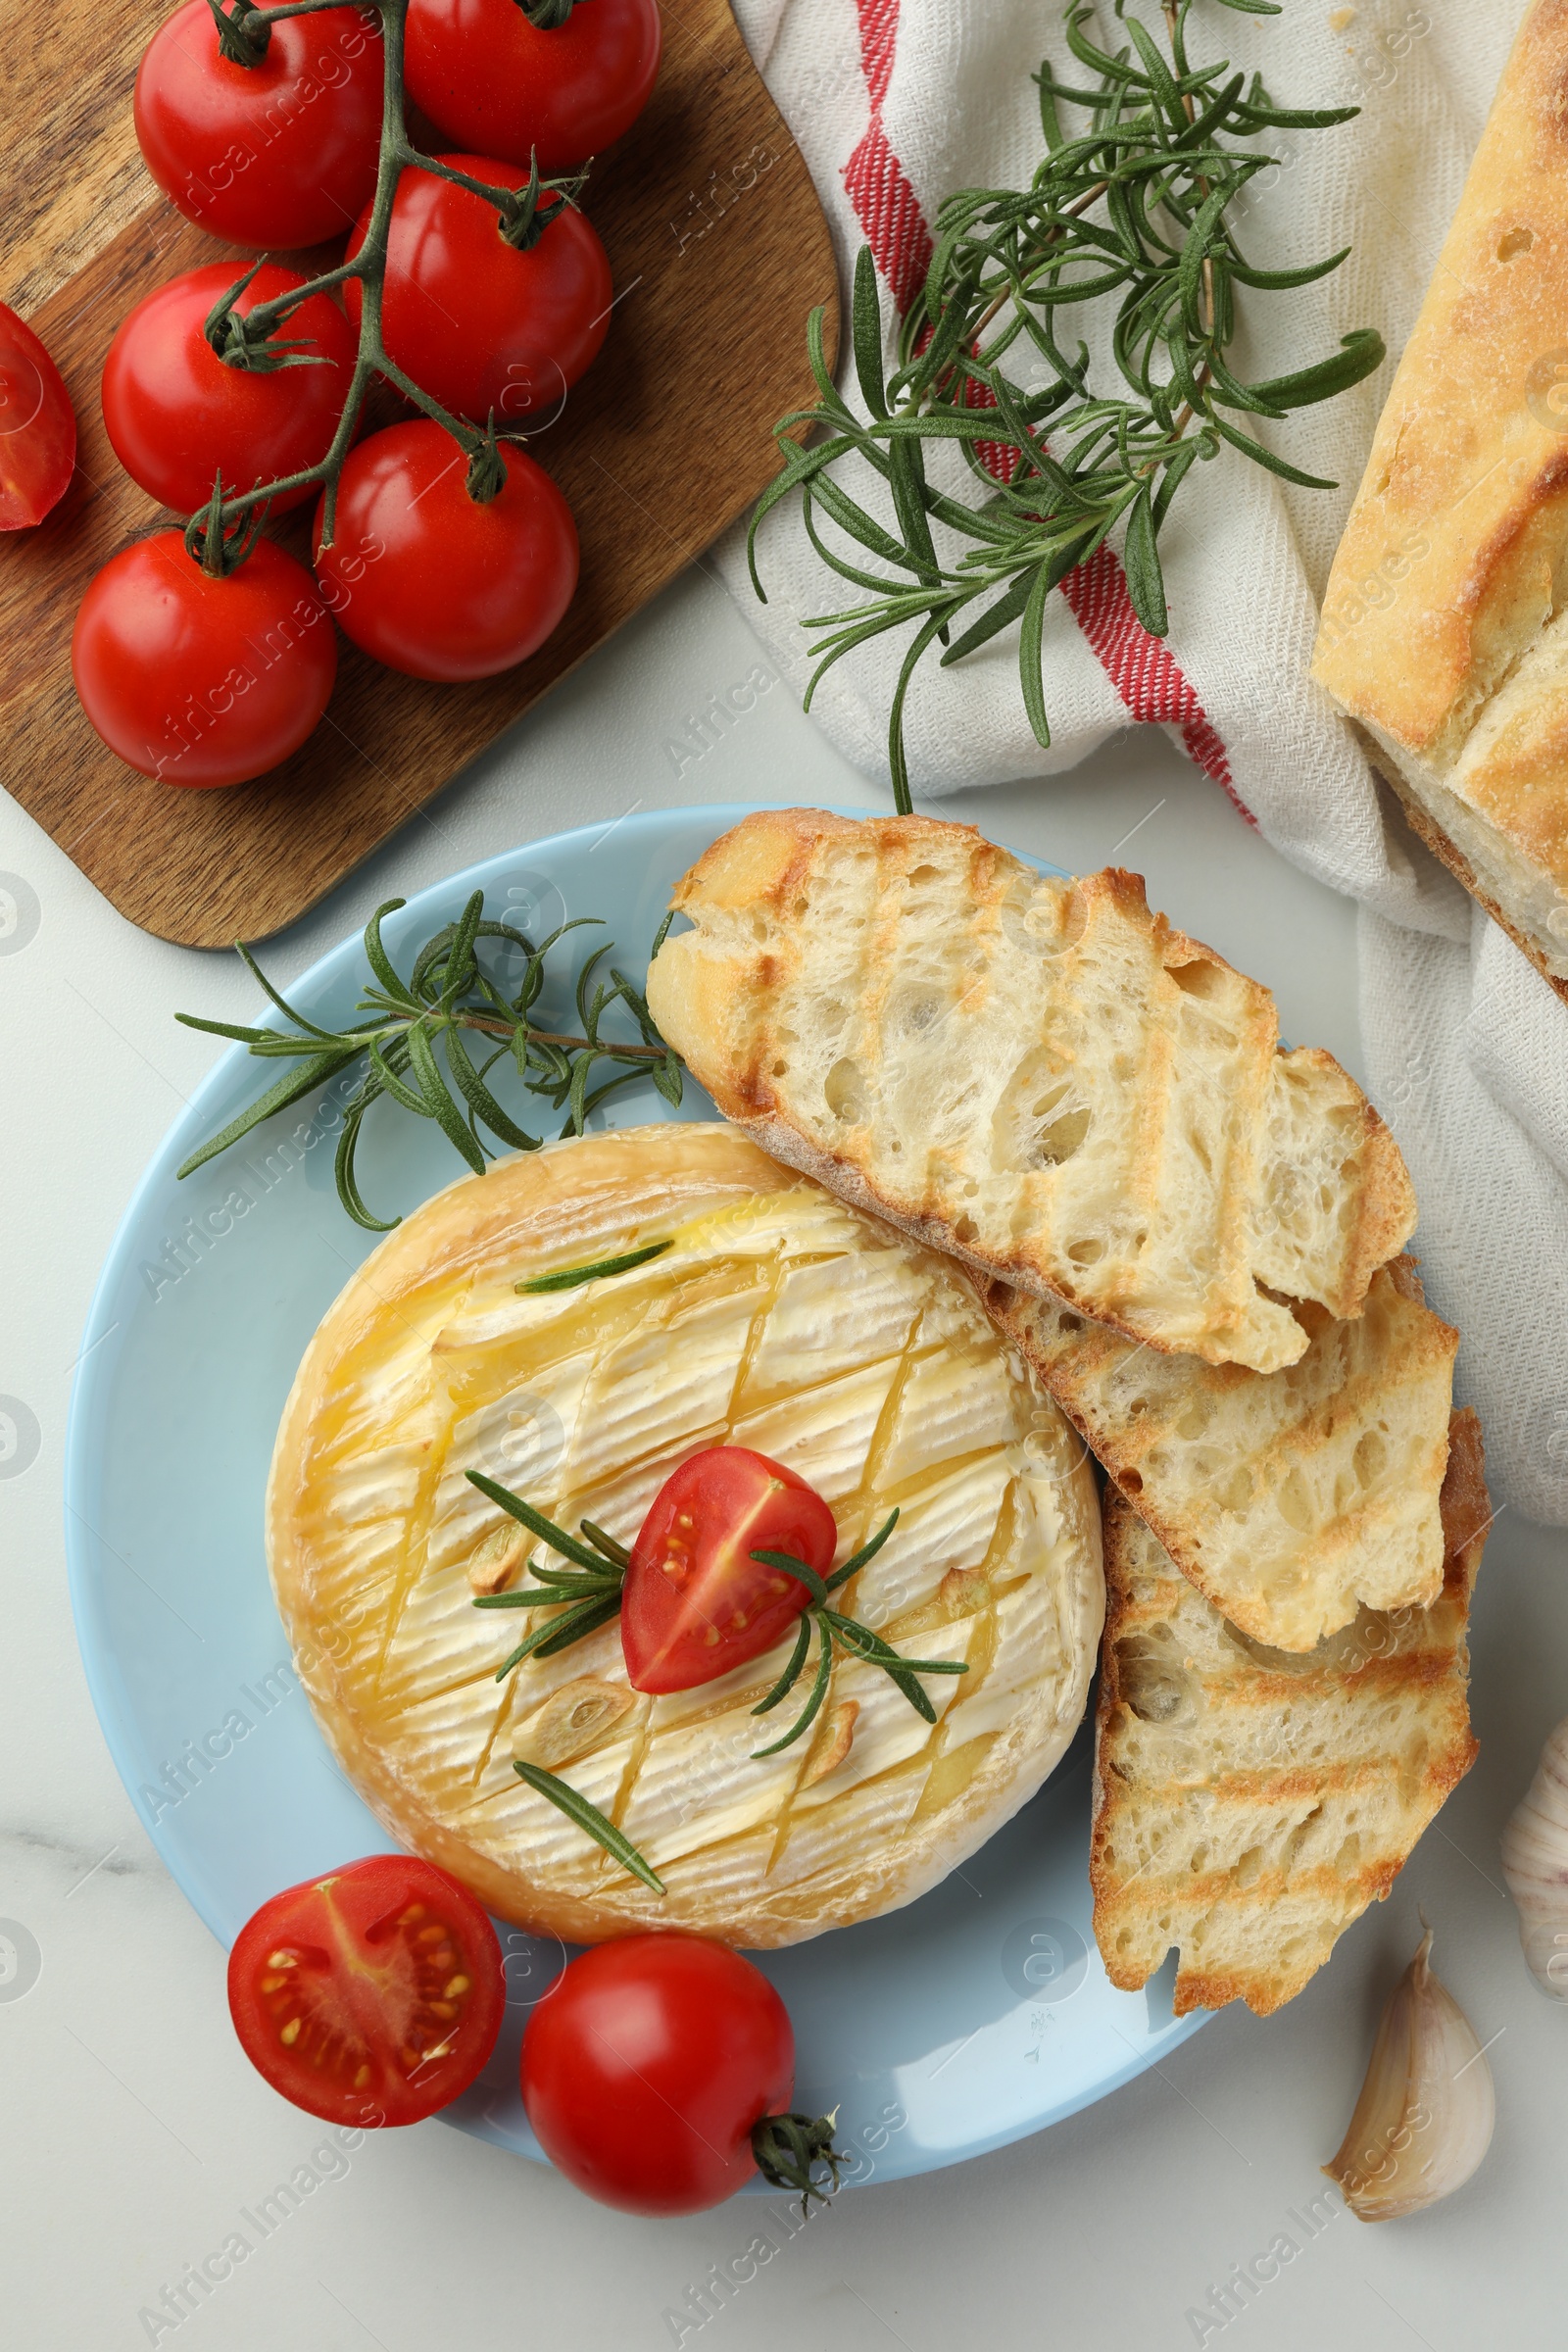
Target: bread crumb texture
<point x="1292" y="1499"/>
<point x="1034" y="1073"/>
<point x="1251" y="1802"/>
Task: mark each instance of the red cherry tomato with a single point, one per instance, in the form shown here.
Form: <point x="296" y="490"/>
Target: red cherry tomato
<point x="279" y="153"/>
<point x="371" y="1994"/>
<point x="429" y="580"/>
<point x="494" y="82"/>
<point x="37" y="427"/>
<point x="695" y="1603"/>
<point x="177" y="414"/>
<point x="479" y="324"/>
<point x="199" y="680"/>
<point x="647" y="2067"/>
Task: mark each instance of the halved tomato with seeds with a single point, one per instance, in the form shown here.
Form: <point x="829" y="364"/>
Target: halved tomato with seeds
<point x="372" y="1994"/>
<point x="695" y="1602"/>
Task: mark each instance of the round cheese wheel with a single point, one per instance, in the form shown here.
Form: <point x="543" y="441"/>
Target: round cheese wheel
<point x="781" y="1320"/>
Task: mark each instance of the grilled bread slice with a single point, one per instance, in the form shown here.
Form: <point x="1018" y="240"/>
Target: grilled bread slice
<point x="1249" y="1803"/>
<point x="780" y="1320"/>
<point x="1037" y="1075"/>
<point x="1290" y="1499"/>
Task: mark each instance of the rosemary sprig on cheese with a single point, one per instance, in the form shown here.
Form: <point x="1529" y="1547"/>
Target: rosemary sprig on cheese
<point x="858" y="1639"/>
<point x="591" y="1592"/>
<point x="568" y="1278"/>
<point x="588" y="1817"/>
<point x="413" y="1025"/>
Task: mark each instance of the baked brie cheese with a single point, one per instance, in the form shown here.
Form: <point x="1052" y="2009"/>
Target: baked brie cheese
<point x="779" y="1319"/>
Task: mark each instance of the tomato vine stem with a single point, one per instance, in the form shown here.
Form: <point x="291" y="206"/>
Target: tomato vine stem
<point x="238" y="341"/>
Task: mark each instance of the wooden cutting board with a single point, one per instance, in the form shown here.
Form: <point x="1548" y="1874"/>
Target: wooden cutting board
<point x="719" y="250"/>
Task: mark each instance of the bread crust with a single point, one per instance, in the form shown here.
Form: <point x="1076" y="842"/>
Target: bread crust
<point x="1444" y="631"/>
<point x="857" y="955"/>
<point x="1279" y="1807"/>
<point x="1289" y="1499"/>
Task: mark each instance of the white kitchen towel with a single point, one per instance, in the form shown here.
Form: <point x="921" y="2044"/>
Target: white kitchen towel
<point x="896" y="104"/>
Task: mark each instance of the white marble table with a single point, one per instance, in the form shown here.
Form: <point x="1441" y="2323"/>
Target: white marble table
<point x="135" y="2131"/>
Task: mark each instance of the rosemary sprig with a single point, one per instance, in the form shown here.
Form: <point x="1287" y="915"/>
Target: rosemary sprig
<point x="567" y="1278"/>
<point x="850" y="1635"/>
<point x="1131" y="203"/>
<point x="451" y="993"/>
<point x="591" y="1588"/>
<point x="589" y="1818"/>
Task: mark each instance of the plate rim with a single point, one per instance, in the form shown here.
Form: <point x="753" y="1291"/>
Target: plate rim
<point x="95" y="1358"/>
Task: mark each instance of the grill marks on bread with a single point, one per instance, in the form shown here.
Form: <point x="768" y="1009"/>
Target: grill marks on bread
<point x="1037" y="1075"/>
<point x="1249" y="1804"/>
<point x="1291" y="1499"/>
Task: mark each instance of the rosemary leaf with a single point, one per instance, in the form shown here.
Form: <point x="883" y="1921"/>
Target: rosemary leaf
<point x="606" y="1543"/>
<point x="868" y="1551"/>
<point x="791" y="1672"/>
<point x="288" y="1089"/>
<point x="805" y="1720"/>
<point x="567" y="1278"/>
<point x="791" y="1566"/>
<point x="536" y="1523"/>
<point x="589" y="1819"/>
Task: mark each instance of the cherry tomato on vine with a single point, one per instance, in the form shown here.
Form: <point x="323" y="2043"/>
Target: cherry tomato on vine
<point x="497" y="76"/>
<point x="37" y="427"/>
<point x="695" y="1603"/>
<point x="433" y="581"/>
<point x="374" y="1992"/>
<point x="477" y="321"/>
<point x="176" y="414"/>
<point x="649" y="2065"/>
<point x="201" y="680"/>
<point x="276" y="153"/>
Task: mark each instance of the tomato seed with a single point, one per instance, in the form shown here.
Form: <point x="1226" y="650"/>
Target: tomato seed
<point x="291" y="2033"/>
<point x="415" y="1911"/>
<point x="455" y="1985"/>
<point x="430" y="1936"/>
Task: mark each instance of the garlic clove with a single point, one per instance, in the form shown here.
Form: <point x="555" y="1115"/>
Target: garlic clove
<point x="1535" y="1863"/>
<point x="1424" y="2119"/>
<point x="571" y="1721"/>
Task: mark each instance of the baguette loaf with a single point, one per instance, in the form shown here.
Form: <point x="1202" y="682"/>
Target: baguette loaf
<point x="1290" y="1499"/>
<point x="1037" y="1075"/>
<point x="1444" y="632"/>
<point x="1249" y="1805"/>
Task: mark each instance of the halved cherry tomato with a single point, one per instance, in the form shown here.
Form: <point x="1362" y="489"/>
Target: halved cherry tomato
<point x="199" y="680"/>
<point x="431" y="581"/>
<point x="494" y="82"/>
<point x="372" y="1993"/>
<point x="695" y="1603"/>
<point x="649" y="2066"/>
<point x="476" y="323"/>
<point x="177" y="414"/>
<point x="37" y="427"/>
<point x="280" y="153"/>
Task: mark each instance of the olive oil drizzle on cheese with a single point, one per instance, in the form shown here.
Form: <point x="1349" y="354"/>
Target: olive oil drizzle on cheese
<point x="740" y="1259"/>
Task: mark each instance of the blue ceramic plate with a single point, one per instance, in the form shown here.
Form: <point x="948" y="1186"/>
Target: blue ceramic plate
<point x="978" y="2015"/>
